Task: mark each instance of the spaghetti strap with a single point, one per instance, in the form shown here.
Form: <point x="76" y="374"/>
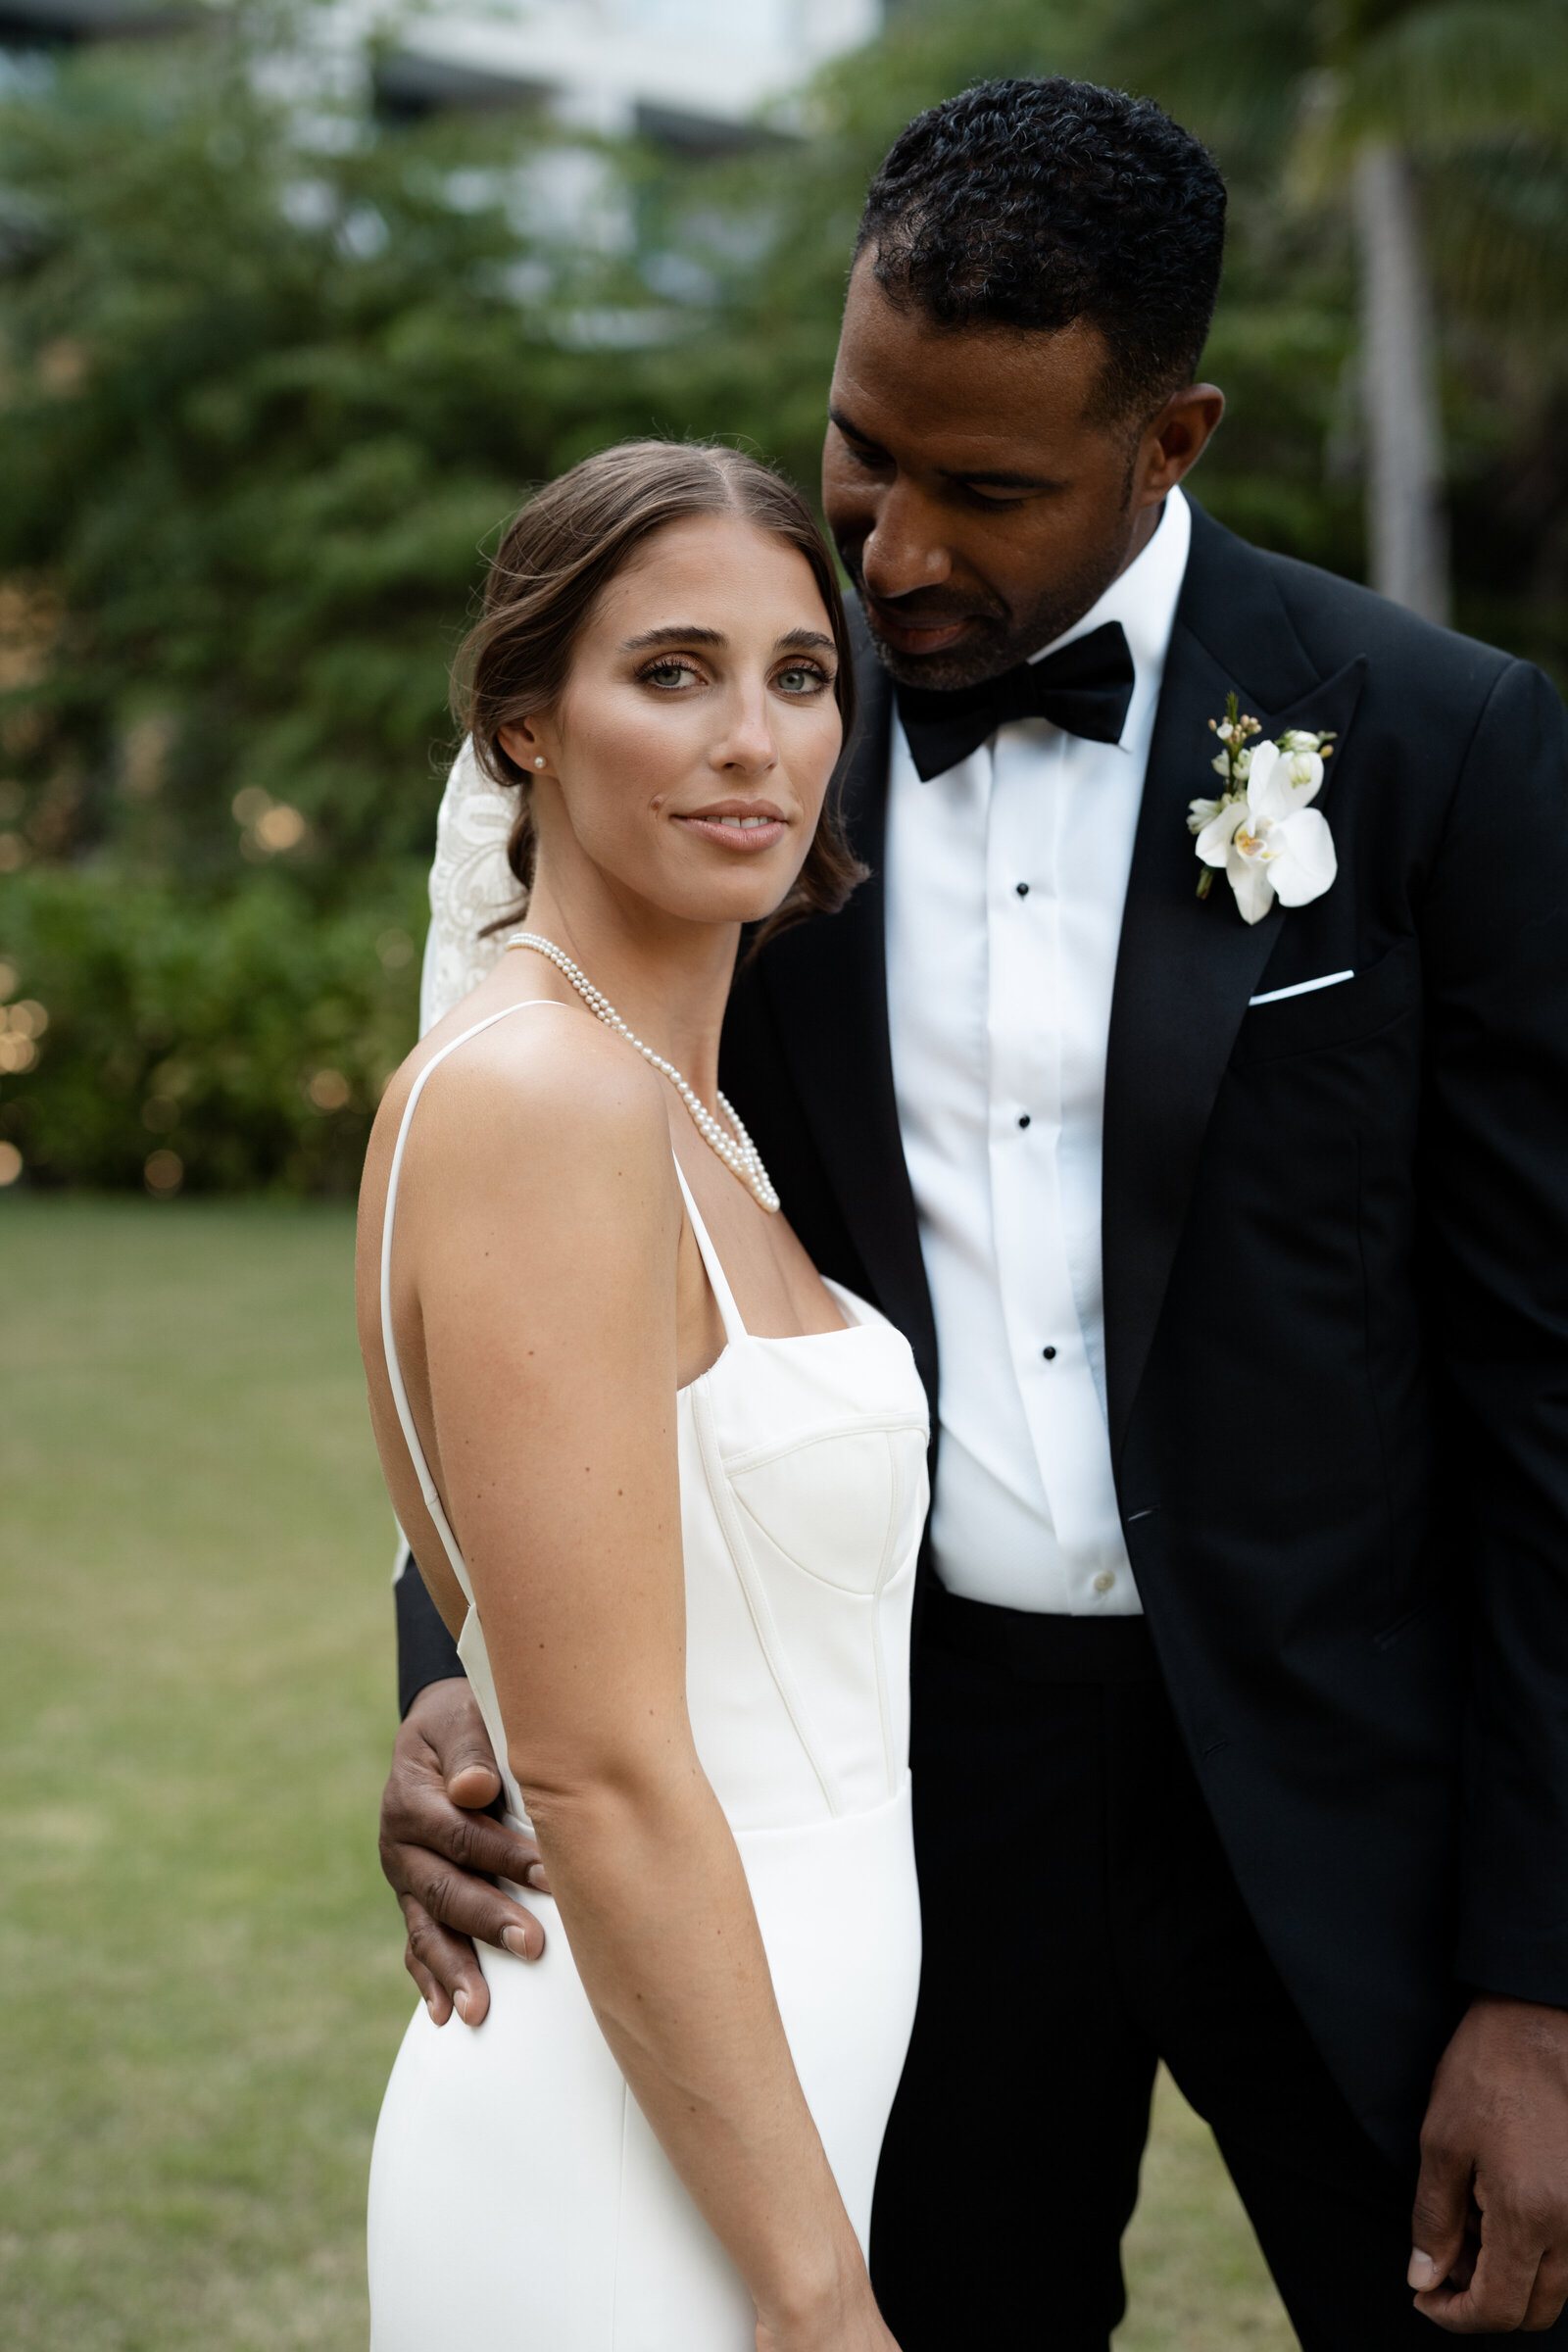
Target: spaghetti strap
<point x="394" y="1370"/>
<point x="730" y="1312"/>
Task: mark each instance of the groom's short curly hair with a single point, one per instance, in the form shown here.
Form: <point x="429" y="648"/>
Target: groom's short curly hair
<point x="1037" y="204"/>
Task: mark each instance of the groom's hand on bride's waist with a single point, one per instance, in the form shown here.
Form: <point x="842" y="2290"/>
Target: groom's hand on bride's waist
<point x="441" y="1850"/>
<point x="1491" y="2221"/>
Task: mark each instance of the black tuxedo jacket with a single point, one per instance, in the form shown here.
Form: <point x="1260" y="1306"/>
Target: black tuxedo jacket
<point x="1336" y="1284"/>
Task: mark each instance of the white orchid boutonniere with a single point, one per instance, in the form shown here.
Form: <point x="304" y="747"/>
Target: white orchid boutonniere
<point x="1260" y="829"/>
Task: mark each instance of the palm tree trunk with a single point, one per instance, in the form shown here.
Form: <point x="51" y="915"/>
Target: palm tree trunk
<point x="1406" y="522"/>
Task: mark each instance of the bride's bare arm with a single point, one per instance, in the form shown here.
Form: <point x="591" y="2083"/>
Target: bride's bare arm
<point x="539" y="1226"/>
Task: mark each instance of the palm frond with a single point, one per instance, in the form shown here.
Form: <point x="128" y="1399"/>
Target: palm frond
<point x="1228" y="74"/>
<point x="1442" y="76"/>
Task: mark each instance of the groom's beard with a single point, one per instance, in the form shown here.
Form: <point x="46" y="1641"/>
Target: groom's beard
<point x="999" y="635"/>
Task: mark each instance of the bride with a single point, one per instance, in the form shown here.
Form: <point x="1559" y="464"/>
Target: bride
<point x="668" y="1482"/>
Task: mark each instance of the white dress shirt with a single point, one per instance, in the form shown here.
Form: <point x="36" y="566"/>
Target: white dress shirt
<point x="1005" y="882"/>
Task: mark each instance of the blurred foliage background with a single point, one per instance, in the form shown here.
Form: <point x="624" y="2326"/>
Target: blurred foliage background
<point x="274" y="371"/>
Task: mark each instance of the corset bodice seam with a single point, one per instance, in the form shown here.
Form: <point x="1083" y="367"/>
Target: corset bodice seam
<point x="778" y="1449"/>
<point x="726" y="1510"/>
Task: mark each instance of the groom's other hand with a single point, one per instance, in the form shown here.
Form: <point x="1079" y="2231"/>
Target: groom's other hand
<point x="1491" y="2220"/>
<point x="441" y="1849"/>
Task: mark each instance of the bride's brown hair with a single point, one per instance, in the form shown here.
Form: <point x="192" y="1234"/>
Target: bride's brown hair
<point x="568" y="543"/>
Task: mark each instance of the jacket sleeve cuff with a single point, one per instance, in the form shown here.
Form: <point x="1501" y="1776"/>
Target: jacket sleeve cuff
<point x="426" y="1651"/>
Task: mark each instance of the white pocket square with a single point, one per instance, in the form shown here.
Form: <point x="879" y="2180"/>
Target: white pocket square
<point x="1302" y="988"/>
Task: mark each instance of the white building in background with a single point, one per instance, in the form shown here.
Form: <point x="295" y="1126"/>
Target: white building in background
<point x="695" y="73"/>
<point x="690" y="73"/>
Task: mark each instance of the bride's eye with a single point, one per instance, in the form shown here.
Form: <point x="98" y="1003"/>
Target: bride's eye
<point x="801" y="678"/>
<point x="667" y="673"/>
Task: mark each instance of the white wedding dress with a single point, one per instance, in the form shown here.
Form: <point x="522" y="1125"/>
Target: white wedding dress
<point x="519" y="2200"/>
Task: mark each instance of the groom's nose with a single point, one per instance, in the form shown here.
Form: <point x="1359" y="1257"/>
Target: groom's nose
<point x="906" y="547"/>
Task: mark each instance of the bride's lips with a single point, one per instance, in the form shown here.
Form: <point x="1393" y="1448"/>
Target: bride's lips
<point x="745" y="826"/>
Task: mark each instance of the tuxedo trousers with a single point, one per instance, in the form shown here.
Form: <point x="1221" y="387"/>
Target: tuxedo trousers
<point x="1080" y="1923"/>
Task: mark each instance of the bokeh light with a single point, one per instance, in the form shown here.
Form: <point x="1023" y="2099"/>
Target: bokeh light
<point x="163" y="1172"/>
<point x="328" y="1089"/>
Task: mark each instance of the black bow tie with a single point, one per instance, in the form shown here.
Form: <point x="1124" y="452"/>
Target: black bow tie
<point x="1084" y="689"/>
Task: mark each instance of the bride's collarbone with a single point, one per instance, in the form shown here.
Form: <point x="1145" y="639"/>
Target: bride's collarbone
<point x="779" y="1293"/>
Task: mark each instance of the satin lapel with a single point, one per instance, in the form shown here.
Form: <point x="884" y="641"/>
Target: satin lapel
<point x="827" y="986"/>
<point x="1187" y="966"/>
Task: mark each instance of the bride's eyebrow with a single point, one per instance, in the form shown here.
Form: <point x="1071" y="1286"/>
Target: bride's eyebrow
<point x="793" y="641"/>
<point x="677" y="633"/>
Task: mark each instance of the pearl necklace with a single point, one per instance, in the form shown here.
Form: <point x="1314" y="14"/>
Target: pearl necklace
<point x="738" y="1151"/>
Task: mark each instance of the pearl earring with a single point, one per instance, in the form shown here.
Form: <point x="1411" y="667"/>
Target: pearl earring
<point x="539" y="762"/>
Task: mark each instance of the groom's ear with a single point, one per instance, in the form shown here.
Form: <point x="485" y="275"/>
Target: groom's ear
<point x="1174" y="439"/>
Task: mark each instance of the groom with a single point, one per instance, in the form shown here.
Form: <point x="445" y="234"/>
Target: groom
<point x="1235" y="1255"/>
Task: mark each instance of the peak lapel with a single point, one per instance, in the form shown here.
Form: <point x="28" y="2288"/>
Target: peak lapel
<point x="1187" y="966"/>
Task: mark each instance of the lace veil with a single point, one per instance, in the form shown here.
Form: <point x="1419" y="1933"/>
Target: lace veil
<point x="470" y="884"/>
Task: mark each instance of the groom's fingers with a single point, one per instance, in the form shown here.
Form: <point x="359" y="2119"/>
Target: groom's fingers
<point x="1548" y="2303"/>
<point x="1441" y="2212"/>
<point x="1501" y="2291"/>
<point x="445" y="1968"/>
<point x="1495" y="2146"/>
<point x="445" y="1864"/>
<point x="431" y="1847"/>
<point x="442" y="1774"/>
<point x="445" y="1717"/>
<point x="457" y="1898"/>
<point x="1549" y="2294"/>
<point x="441" y="1858"/>
<point x="433" y="1992"/>
<point x="1512" y="2275"/>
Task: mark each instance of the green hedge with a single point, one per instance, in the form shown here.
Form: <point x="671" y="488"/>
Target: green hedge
<point x="228" y="1047"/>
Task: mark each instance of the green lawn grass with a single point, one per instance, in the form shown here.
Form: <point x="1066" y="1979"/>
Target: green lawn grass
<point x="203" y="1972"/>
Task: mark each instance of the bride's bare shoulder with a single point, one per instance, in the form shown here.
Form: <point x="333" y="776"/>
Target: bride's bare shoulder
<point x="544" y="1096"/>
